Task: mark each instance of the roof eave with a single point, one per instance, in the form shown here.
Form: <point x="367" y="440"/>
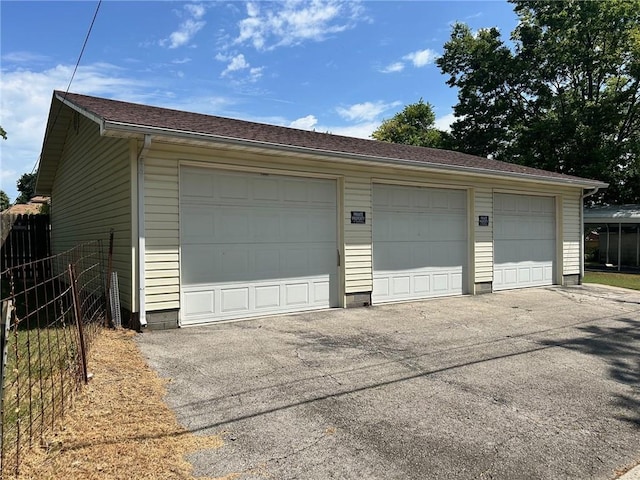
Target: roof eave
<point x="49" y="157"/>
<point x="140" y="129"/>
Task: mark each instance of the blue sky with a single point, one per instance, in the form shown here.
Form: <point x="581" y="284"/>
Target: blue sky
<point x="329" y="65"/>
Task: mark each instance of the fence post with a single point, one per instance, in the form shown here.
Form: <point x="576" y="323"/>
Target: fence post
<point x="77" y="311"/>
<point x="7" y="307"/>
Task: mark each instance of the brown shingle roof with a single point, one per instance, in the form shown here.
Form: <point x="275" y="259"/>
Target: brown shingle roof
<point x="118" y="112"/>
<point x="23" y="209"/>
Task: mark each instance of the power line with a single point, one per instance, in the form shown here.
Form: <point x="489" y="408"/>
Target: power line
<point x="86" y="40"/>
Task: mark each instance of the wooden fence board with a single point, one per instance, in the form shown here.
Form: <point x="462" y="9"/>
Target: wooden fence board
<point x="25" y="239"/>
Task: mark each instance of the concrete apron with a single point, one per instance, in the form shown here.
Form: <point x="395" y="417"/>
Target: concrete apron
<point x="537" y="383"/>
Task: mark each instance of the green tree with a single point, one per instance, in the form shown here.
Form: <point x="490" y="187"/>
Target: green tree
<point x="414" y="125"/>
<point x="564" y="95"/>
<point x="3" y="134"/>
<point x="4" y="201"/>
<point x="26" y="186"/>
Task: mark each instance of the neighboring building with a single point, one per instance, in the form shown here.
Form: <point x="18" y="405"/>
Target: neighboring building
<point x="219" y="219"/>
<point x="9" y="216"/>
<point x="618" y="232"/>
<point x="33" y="207"/>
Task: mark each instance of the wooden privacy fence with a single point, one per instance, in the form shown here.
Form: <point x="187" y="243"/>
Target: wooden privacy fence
<point x="25" y="239"/>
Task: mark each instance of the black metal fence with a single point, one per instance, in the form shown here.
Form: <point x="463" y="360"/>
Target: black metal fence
<point x="48" y="325"/>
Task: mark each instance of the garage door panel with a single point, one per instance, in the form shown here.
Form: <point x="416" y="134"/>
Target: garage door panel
<point x="231" y="226"/>
<point x="197" y="262"/>
<point x="199" y="303"/>
<point x="267" y="297"/>
<point x="197" y="224"/>
<point x="267" y="222"/>
<point x="256" y="245"/>
<point x="419" y="242"/>
<point x="524" y="241"/>
<point x="321" y="194"/>
<point x="265" y="189"/>
<point x="234" y="187"/>
<point x="199" y="186"/>
<point x="422" y="284"/>
<point x="234" y="299"/>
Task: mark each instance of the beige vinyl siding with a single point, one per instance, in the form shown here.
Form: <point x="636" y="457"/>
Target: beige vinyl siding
<point x="571" y="233"/>
<point x="162" y="234"/>
<point x="91" y="195"/>
<point x="357" y="237"/>
<point x="162" y="271"/>
<point x="483" y="247"/>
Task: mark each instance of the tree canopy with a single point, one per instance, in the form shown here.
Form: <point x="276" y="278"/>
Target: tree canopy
<point x="4" y="201"/>
<point x="26" y="186"/>
<point x="414" y="125"/>
<point x="563" y="94"/>
<point x="3" y="133"/>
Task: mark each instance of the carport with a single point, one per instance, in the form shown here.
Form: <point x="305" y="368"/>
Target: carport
<point x="618" y="230"/>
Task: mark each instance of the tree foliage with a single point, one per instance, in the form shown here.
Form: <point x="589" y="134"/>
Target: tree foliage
<point x="564" y="95"/>
<point x="26" y="186"/>
<point x="4" y="201"/>
<point x="3" y="133"/>
<point x="414" y="125"/>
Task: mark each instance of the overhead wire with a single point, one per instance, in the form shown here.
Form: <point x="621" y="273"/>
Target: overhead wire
<point x="84" y="45"/>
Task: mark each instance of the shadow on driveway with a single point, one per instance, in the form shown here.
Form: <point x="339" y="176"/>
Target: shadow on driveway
<point x="531" y="384"/>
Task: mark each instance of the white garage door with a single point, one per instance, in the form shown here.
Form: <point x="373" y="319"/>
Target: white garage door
<point x="254" y="244"/>
<point x="524" y="241"/>
<point x="419" y="242"/>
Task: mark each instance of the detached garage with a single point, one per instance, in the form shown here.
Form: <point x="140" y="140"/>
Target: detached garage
<point x="218" y="219"/>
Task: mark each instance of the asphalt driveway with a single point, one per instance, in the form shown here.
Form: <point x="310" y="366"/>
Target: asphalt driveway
<point x="530" y="384"/>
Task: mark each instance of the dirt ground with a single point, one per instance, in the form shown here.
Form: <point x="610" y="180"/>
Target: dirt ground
<point x="119" y="427"/>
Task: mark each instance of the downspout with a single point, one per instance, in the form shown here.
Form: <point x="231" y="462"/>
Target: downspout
<point x="588" y="193"/>
<point x="141" y="233"/>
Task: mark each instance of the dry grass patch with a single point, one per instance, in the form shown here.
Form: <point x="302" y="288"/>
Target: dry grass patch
<point x="120" y="427"/>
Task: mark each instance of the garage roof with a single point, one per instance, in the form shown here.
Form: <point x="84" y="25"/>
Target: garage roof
<point x="116" y="116"/>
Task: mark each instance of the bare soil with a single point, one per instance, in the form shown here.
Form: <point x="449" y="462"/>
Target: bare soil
<point x="119" y="426"/>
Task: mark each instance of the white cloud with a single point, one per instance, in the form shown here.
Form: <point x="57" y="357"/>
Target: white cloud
<point x="421" y="57"/>
<point x="255" y="73"/>
<point x="365" y="111"/>
<point x="196" y="10"/>
<point x="23" y="57"/>
<point x="305" y="123"/>
<point x="235" y="63"/>
<point x="444" y="122"/>
<point x="192" y="24"/>
<point x="310" y="122"/>
<point x="268" y="26"/>
<point x="359" y="130"/>
<point x="25" y="97"/>
<point x="238" y="63"/>
<point x="393" y="68"/>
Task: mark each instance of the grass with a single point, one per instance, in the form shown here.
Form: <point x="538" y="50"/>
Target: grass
<point x="41" y="375"/>
<point x="624" y="280"/>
